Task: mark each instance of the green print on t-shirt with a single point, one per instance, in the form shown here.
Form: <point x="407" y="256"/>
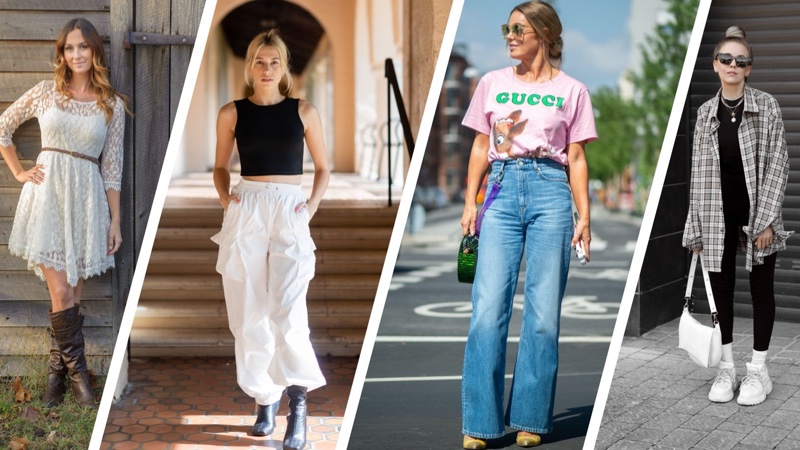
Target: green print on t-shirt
<point x="531" y="99"/>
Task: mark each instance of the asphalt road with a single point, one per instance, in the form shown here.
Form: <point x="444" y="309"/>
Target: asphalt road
<point x="412" y="394"/>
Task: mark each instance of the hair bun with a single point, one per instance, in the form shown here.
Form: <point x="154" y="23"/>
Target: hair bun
<point x="555" y="49"/>
<point x="735" y="32"/>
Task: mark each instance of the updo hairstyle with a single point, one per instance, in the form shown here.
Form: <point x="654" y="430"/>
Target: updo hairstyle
<point x="735" y="34"/>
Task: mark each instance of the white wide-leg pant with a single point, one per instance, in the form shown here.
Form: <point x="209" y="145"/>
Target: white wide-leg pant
<point x="266" y="259"/>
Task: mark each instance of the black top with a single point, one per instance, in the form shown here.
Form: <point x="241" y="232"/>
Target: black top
<point x="269" y="138"/>
<point x="735" y="201"/>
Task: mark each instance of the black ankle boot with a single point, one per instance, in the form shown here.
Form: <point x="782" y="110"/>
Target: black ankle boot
<point x="295" y="438"/>
<point x="56" y="376"/>
<point x="265" y="422"/>
<point x="68" y="331"/>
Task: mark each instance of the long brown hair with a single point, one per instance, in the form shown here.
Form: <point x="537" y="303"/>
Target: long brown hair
<point x="98" y="76"/>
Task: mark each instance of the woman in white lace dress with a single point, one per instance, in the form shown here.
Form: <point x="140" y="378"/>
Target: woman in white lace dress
<point x="67" y="221"/>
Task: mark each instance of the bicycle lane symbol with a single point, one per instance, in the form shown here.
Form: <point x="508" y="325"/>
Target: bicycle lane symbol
<point x="573" y="306"/>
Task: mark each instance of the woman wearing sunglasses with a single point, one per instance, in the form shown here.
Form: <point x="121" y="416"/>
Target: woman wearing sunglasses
<point x="739" y="171"/>
<point x="532" y="124"/>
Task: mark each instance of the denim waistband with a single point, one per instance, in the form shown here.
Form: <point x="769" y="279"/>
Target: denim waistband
<point x="528" y="163"/>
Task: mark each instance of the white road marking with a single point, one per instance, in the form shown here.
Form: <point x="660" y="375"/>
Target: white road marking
<point x="585" y="307"/>
<point x="597" y="264"/>
<point x="594" y="264"/>
<point x="452" y="310"/>
<point x="432" y="270"/>
<point x="617" y="270"/>
<point x="598" y="244"/>
<point x="458" y="377"/>
<point x="572" y="306"/>
<point x="406" y="279"/>
<point x="456" y="339"/>
<point x="607" y="274"/>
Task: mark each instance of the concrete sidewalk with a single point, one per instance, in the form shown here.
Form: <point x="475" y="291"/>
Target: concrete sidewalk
<point x="659" y="398"/>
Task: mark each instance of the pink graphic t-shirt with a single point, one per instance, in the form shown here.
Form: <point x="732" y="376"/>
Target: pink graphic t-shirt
<point x="533" y="120"/>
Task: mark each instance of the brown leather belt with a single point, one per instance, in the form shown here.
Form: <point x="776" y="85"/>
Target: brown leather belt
<point x="73" y="154"/>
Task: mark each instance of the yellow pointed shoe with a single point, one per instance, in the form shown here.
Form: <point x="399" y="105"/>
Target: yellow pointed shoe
<point x="526" y="439"/>
<point x="471" y="443"/>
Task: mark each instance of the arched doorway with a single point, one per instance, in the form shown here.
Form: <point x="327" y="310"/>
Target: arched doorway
<point x="314" y="33"/>
<point x="308" y="45"/>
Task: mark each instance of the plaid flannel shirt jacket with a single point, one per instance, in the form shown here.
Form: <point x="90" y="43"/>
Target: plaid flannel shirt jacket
<point x="766" y="168"/>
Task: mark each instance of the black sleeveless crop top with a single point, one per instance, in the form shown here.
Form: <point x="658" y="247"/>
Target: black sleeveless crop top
<point x="269" y="138"/>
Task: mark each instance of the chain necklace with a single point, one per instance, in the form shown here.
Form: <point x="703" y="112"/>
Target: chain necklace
<point x="732" y="109"/>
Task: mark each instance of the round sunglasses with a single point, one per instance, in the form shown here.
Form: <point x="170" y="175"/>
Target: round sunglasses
<point x="727" y="58"/>
<point x="515" y="30"/>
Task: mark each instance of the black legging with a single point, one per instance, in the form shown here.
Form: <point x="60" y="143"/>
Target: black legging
<point x="761" y="290"/>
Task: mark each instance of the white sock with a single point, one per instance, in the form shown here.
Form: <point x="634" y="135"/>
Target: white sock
<point x="727" y="353"/>
<point x="759" y="358"/>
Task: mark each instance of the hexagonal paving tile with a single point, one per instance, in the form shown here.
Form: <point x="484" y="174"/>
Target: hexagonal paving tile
<point x="195" y="403"/>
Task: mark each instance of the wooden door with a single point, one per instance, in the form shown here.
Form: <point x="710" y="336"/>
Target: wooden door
<point x="153" y="75"/>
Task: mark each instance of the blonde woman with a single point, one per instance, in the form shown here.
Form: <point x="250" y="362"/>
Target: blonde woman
<point x="67" y="222"/>
<point x="740" y="167"/>
<point x="532" y="124"/>
<point x="266" y="255"/>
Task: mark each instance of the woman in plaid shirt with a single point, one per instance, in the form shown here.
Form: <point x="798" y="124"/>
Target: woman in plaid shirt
<point x="739" y="171"/>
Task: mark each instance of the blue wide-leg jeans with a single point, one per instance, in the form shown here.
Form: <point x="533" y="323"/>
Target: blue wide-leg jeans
<point x="532" y="212"/>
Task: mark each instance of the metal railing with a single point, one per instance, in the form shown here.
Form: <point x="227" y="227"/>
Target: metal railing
<point x="375" y="142"/>
<point x="393" y="85"/>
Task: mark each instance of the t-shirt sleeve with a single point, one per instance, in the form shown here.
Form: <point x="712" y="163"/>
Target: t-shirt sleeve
<point x="477" y="117"/>
<point x="582" y="127"/>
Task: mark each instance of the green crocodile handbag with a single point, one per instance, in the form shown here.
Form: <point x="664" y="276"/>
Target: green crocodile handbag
<point x="467" y="259"/>
<point x="468" y="250"/>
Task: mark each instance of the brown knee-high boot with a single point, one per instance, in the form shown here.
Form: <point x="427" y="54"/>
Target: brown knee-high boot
<point x="56" y="376"/>
<point x="68" y="329"/>
<point x="295" y="438"/>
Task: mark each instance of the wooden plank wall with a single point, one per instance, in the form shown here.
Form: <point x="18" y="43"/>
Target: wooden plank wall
<point x="158" y="77"/>
<point x="154" y="76"/>
<point x="121" y="71"/>
<point x="151" y="85"/>
<point x="28" y="29"/>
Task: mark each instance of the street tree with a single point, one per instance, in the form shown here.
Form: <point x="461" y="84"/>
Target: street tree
<point x="663" y="56"/>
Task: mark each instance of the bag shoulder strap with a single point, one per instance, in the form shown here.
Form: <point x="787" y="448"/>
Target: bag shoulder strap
<point x="489" y="199"/>
<point x="706" y="281"/>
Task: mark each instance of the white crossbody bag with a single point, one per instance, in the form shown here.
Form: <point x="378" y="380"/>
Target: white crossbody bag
<point x="702" y="342"/>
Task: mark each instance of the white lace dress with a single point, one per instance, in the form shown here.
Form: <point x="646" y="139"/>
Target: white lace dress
<point x="63" y="222"/>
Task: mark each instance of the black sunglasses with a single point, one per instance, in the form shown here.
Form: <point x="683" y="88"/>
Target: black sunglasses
<point x="727" y="58"/>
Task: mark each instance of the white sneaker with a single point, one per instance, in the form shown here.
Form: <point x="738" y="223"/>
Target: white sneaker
<point x="724" y="384"/>
<point x="755" y="386"/>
